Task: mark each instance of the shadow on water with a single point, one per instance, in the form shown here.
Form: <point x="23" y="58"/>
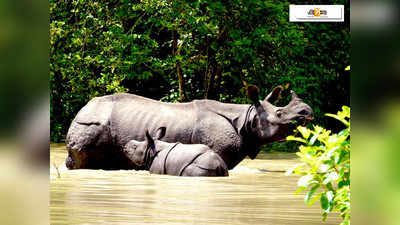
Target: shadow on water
<point x="276" y="155"/>
<point x="250" y="195"/>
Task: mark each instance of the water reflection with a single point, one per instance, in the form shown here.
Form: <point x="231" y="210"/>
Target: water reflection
<point x="247" y="196"/>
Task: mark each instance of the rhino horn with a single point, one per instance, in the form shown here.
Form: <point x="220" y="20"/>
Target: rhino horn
<point x="294" y="95"/>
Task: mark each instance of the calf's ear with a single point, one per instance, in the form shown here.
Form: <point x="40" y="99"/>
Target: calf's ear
<point x="160" y="133"/>
<point x="275" y="94"/>
<point x="149" y="139"/>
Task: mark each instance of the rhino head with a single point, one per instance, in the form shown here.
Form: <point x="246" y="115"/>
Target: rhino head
<point x="273" y="123"/>
<point x="142" y="153"/>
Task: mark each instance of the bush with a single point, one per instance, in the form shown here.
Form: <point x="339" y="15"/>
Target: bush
<point x="325" y="166"/>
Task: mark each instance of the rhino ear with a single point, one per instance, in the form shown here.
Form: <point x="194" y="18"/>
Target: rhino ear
<point x="160" y="133"/>
<point x="275" y="94"/>
<point x="252" y="94"/>
<point x="149" y="139"/>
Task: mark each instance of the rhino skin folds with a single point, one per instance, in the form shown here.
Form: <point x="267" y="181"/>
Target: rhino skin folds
<point x="104" y="126"/>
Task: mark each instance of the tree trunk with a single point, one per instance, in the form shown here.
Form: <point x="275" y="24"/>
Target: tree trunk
<point x="180" y="79"/>
<point x="178" y="66"/>
<point x="215" y="86"/>
<point x="214" y="70"/>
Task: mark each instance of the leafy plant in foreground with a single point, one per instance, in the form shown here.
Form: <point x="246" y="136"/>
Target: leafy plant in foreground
<point x="325" y="166"/>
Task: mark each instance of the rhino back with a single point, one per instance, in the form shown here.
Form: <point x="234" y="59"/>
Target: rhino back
<point x="96" y="111"/>
<point x="177" y="159"/>
<point x="210" y="161"/>
<point x="132" y="115"/>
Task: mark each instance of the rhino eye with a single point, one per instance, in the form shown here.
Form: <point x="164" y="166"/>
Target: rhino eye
<point x="278" y="113"/>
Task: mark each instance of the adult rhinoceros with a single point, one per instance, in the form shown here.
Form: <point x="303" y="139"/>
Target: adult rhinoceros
<point x="106" y="124"/>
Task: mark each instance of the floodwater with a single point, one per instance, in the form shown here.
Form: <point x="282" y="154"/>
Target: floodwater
<point x="254" y="193"/>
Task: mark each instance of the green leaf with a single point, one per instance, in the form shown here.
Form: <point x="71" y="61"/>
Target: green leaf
<point x="342" y="184"/>
<point x="324" y="216"/>
<point x="327" y="201"/>
<point x="305" y="180"/>
<point x="292" y="138"/>
<point x="313" y="139"/>
<point x="344" y="132"/>
<point x="311" y="192"/>
<point x="323" y="168"/>
<point x="324" y="202"/>
<point x="332" y="176"/>
<point x="299" y="190"/>
<point x="289" y="171"/>
<point x="329" y="196"/>
<point x="304" y="132"/>
<point x="313" y="200"/>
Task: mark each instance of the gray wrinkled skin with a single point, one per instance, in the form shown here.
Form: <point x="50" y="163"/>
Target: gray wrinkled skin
<point x="106" y="124"/>
<point x="176" y="159"/>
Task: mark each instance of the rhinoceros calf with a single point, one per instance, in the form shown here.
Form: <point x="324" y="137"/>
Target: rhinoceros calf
<point x="106" y="124"/>
<point x="177" y="159"/>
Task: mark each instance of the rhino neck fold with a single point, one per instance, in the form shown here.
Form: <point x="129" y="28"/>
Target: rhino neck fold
<point x="251" y="143"/>
<point x="159" y="146"/>
<point x="165" y="159"/>
<point x="248" y="121"/>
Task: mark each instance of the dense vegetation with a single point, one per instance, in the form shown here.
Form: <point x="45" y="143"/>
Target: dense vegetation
<point x="325" y="166"/>
<point x="180" y="50"/>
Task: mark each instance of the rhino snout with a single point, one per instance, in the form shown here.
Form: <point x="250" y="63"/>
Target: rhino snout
<point x="305" y="116"/>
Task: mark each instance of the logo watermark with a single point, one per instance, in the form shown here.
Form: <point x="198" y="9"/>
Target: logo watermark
<point x="316" y="13"/>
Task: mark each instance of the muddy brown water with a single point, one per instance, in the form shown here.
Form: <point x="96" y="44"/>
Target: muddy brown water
<point x="252" y="194"/>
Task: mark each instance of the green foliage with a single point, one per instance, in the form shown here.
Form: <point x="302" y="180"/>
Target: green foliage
<point x="325" y="166"/>
<point x="183" y="50"/>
